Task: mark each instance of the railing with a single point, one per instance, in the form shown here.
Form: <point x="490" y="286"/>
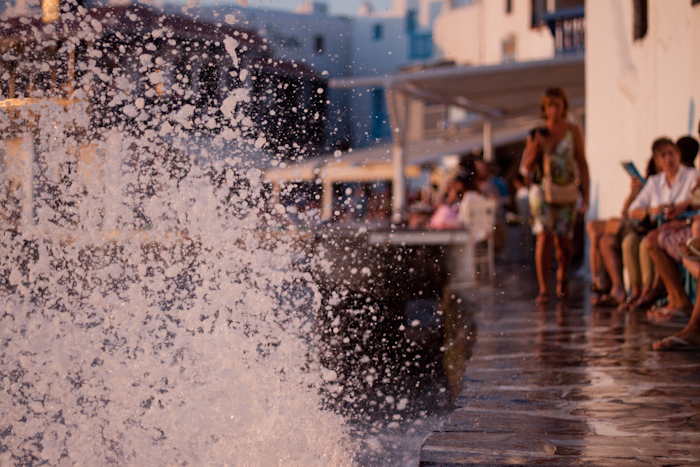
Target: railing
<point x="568" y="27"/>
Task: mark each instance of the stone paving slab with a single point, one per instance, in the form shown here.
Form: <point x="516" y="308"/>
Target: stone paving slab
<point x="570" y="385"/>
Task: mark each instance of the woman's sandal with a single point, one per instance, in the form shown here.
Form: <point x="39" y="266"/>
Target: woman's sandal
<point x="675" y="343"/>
<point x="599" y="297"/>
<point x="644" y="302"/>
<point x="627" y="304"/>
<point x="666" y="315"/>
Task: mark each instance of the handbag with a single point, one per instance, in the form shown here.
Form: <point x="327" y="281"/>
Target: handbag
<point x="555" y="193"/>
<point x="642" y="227"/>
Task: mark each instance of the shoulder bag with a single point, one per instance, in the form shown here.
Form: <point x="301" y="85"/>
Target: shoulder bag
<point x="555" y="193"/>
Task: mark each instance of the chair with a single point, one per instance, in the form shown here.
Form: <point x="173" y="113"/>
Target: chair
<point x="479" y="217"/>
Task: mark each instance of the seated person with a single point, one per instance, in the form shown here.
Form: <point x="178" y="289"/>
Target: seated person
<point x="607" y="256"/>
<point x="689" y="337"/>
<point x="446" y="216"/>
<point x="605" y="237"/>
<point x="521" y="202"/>
<point x="460" y="190"/>
<point x="664" y="198"/>
<point x="688" y="146"/>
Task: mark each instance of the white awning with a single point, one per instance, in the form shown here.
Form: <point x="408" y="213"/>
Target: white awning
<point x="376" y="160"/>
<point x="496" y="91"/>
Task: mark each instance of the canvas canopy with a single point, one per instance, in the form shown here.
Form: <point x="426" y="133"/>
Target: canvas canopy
<point x="497" y="91"/>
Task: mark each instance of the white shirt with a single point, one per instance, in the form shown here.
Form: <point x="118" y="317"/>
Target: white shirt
<point x="657" y="191"/>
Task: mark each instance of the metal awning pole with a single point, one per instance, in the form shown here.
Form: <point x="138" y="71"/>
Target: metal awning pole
<point x="399" y="185"/>
<point x="398" y="118"/>
<point x="488" y="141"/>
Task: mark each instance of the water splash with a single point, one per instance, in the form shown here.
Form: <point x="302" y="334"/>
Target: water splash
<point x="147" y="318"/>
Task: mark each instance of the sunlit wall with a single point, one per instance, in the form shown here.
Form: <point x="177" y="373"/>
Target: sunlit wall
<point x="637" y="90"/>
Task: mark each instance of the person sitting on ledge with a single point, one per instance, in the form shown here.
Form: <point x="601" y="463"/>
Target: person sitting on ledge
<point x="664" y="198"/>
<point x="689" y="337"/>
<point x="463" y="188"/>
<point x="614" y="243"/>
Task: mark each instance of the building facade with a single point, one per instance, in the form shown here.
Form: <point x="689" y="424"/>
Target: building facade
<point x="309" y="38"/>
<point x="429" y="33"/>
<point x="642" y="82"/>
<point x="411" y="34"/>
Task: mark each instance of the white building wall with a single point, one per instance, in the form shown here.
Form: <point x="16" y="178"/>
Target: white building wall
<point x="372" y="56"/>
<point x="474" y="33"/>
<point x="637" y="91"/>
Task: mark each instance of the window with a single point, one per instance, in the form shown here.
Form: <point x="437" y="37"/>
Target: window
<point x="411" y="20"/>
<point x="379" y="126"/>
<point x="640" y="19"/>
<point x="318" y="44"/>
<point x="377" y="32"/>
<point x="508" y="50"/>
<point x="420" y="45"/>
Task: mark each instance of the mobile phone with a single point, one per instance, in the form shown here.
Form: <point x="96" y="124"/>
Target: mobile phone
<point x="541" y="130"/>
<point x="632" y="170"/>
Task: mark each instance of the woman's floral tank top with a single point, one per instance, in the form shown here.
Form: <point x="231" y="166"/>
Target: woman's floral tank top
<point x="562" y="159"/>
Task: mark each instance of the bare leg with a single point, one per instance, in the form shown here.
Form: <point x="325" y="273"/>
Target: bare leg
<point x="632" y="263"/>
<point x="668" y="270"/>
<point x="564" y="251"/>
<point x="653" y="288"/>
<point x="693" y="266"/>
<point x="650" y="279"/>
<point x="653" y="291"/>
<point x="542" y="263"/>
<point x="691" y="332"/>
<point x="599" y="277"/>
<point x="690" y="335"/>
<point x="612" y="256"/>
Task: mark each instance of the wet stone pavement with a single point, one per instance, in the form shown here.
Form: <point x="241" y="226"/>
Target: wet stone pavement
<point x="568" y="385"/>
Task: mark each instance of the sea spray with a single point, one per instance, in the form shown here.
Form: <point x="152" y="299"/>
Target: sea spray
<point x="180" y="343"/>
<point x="148" y="317"/>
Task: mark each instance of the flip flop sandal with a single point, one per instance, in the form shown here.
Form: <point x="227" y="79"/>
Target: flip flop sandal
<point x="665" y="315"/>
<point x="675" y="343"/>
<point x="598" y="296"/>
<point x="642" y="303"/>
<point x="627" y="304"/>
<point x="607" y="301"/>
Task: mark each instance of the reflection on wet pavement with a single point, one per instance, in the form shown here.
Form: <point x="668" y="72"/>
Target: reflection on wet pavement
<point x="567" y="384"/>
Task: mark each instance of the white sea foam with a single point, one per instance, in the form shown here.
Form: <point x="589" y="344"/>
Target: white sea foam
<point x="145" y="319"/>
